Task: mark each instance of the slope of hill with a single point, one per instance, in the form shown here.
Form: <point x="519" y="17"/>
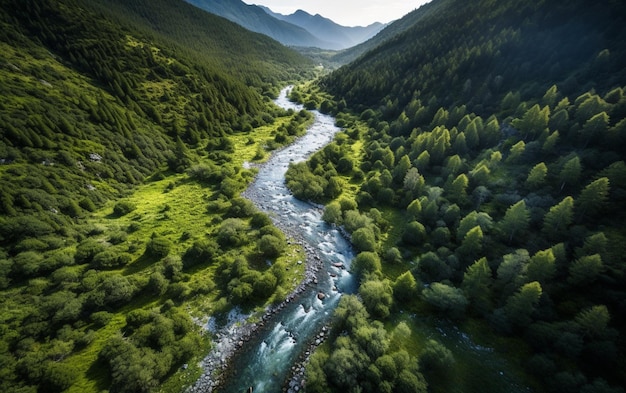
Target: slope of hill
<point x="256" y="19"/>
<point x="482" y="177"/>
<point x="336" y="36"/>
<point x="502" y="41"/>
<point x="389" y="31"/>
<point x="117" y="173"/>
<point x="255" y="59"/>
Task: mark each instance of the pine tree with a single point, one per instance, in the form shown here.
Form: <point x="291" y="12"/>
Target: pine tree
<point x="593" y="197"/>
<point x="541" y="266"/>
<point x="570" y="174"/>
<point x="520" y="307"/>
<point x="477" y="283"/>
<point x="537" y="176"/>
<point x="559" y="218"/>
<point x="515" y="221"/>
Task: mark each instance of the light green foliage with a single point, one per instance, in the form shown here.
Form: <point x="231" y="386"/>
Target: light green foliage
<point x="377" y="297"/>
<point x="593" y="197"/>
<point x="559" y="218"/>
<point x="534" y="121"/>
<point x="332" y="213"/>
<point x="516" y="152"/>
<point x="405" y="287"/>
<point x="595" y="127"/>
<point x="364" y="239"/>
<point x="472" y="243"/>
<point x="593" y="321"/>
<point x="436" y="360"/>
<point x="414" y="234"/>
<point x="537" y="176"/>
<point x="471" y="220"/>
<point x="515" y="221"/>
<point x="509" y="274"/>
<point x="457" y="191"/>
<point x="570" y="173"/>
<point x="541" y="266"/>
<point x="477" y="285"/>
<point x="520" y="307"/>
<point x="365" y="262"/>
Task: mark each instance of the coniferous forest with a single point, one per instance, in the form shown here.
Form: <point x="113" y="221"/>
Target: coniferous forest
<point x="480" y="176"/>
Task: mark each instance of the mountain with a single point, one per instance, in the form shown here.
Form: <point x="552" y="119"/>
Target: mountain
<point x="255" y="19"/>
<point x="484" y="57"/>
<point x="388" y="32"/>
<point x="338" y="37"/>
<point x="260" y="61"/>
<point x="481" y="177"/>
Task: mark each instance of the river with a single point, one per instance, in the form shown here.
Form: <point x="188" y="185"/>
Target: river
<point x="265" y="360"/>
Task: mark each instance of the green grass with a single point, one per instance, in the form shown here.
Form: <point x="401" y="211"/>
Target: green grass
<point x="176" y="208"/>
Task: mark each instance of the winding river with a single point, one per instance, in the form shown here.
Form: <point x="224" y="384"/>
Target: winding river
<point x="265" y="361"/>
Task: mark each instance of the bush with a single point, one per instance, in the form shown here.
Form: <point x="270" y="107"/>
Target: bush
<point x="122" y="208"/>
<point x="366" y="262"/>
<point x="202" y="251"/>
<point x="158" y="247"/>
<point x="87" y="249"/>
<point x="271" y="246"/>
<point x="101" y="318"/>
<point x="108" y="259"/>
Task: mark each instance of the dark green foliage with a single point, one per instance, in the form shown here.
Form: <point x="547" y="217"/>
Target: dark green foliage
<point x="493" y="38"/>
<point x="201" y="252"/>
<point x="158" y="247"/>
<point x="156" y="344"/>
<point x="362" y="355"/>
<point x="122" y="208"/>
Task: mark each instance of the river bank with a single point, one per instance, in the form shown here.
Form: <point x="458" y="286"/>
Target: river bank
<point x="264" y="352"/>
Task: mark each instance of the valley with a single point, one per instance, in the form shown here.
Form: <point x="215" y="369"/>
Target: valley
<point x="436" y="209"/>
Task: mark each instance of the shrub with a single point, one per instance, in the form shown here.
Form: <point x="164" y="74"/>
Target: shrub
<point x="122" y="208"/>
<point x="86" y="250"/>
<point x="158" y="247"/>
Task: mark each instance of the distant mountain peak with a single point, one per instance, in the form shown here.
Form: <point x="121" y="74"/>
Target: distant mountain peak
<point x="298" y="29"/>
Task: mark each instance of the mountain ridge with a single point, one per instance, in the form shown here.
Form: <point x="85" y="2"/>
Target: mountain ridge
<point x="328" y="30"/>
<point x="298" y="30"/>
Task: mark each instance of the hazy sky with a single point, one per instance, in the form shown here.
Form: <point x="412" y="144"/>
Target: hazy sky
<point x="346" y="12"/>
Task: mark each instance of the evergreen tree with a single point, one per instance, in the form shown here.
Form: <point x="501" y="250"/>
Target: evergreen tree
<point x="541" y="266"/>
<point x="515" y="221"/>
<point x="593" y="197"/>
<point x="570" y="173"/>
<point x="520" y="307"/>
<point x="559" y="218"/>
<point x="477" y="284"/>
<point x="537" y="176"/>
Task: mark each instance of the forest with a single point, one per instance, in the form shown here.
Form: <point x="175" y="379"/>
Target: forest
<point x="481" y="178"/>
<point x="121" y="225"/>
